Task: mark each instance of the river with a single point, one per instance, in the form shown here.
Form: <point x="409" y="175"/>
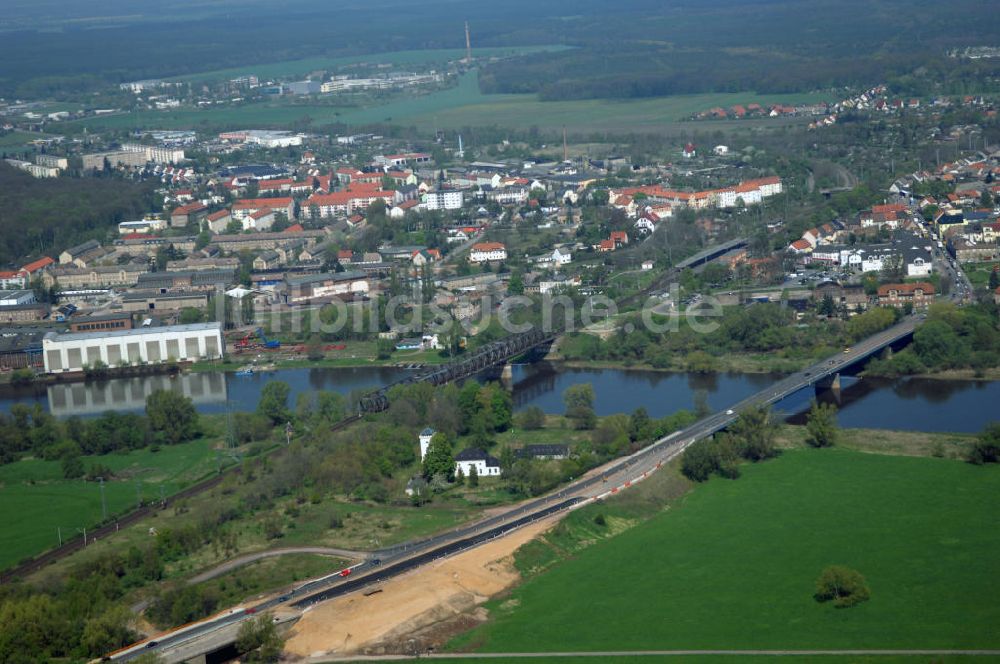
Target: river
<point x="913" y="404"/>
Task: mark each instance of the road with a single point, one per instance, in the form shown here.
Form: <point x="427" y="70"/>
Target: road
<point x="615" y="476"/>
<point x="239" y="561"/>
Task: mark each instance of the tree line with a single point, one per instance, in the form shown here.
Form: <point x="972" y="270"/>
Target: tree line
<point x="169" y="418"/>
<point x="44" y="215"/>
<point x="760" y="328"/>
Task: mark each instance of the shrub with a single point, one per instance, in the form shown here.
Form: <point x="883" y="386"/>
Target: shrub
<point x="986" y="449"/>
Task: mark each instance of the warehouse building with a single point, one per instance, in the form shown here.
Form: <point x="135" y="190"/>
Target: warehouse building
<point x="144" y="345"/>
<point x="154" y="300"/>
<point x="343" y="285"/>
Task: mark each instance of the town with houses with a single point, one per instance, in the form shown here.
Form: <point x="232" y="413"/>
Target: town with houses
<point x="287" y="221"/>
<point x="327" y="335"/>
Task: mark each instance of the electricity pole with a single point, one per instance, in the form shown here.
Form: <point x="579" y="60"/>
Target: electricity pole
<point x="104" y="502"/>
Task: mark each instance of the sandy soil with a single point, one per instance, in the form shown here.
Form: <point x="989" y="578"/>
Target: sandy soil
<point x="412" y="603"/>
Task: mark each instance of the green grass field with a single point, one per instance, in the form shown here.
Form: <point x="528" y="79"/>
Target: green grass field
<point x="35" y="499"/>
<point x="399" y="58"/>
<point x="733" y="565"/>
<point x="17" y="139"/>
<point x="461" y="106"/>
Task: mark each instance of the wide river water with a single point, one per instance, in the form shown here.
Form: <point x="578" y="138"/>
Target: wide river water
<point x="907" y="404"/>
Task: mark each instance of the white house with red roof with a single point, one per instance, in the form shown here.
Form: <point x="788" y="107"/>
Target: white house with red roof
<point x="11" y="280"/>
<point x="485" y="252"/>
<point x="261" y="220"/>
<point x="247" y="206"/>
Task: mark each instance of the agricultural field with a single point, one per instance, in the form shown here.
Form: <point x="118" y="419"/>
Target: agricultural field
<point x="36" y="501"/>
<point x="463" y="106"/>
<point x="732" y="564"/>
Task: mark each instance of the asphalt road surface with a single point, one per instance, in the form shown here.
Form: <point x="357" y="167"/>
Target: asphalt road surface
<point x="616" y="475"/>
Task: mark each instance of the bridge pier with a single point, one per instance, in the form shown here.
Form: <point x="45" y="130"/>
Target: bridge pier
<point x="507" y="376"/>
<point x="831" y="384"/>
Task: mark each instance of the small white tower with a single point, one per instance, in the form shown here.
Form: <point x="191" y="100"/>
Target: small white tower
<point x="425" y="441"/>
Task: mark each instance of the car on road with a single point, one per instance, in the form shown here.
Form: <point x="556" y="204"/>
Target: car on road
<point x="847" y="350"/>
<point x="345" y="572"/>
<point x="376" y="562"/>
<point x="729" y="412"/>
<point x="152" y="644"/>
<point x="251" y="611"/>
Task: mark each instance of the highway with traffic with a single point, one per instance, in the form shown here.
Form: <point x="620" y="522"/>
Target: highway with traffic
<point x="613" y="477"/>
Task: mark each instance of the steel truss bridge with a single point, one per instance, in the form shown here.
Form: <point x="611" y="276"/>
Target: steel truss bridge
<point x="499" y="352"/>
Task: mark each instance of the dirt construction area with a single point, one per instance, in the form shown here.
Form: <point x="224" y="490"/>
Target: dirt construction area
<point x="415" y="611"/>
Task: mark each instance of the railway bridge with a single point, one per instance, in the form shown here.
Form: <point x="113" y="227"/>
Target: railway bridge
<point x="504" y="350"/>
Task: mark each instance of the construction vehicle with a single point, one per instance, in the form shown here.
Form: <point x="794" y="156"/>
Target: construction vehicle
<point x="267" y="343"/>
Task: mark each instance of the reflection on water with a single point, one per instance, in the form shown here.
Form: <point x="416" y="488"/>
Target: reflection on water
<point x="94" y="398"/>
<point x="905" y="404"/>
<point x="619" y="391"/>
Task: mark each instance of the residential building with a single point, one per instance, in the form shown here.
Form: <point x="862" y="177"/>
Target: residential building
<point x="347" y="202"/>
<point x="218" y="221"/>
<point x="853" y="298"/>
<point x="10" y="280"/>
<point x="247" y="206"/>
<point x="561" y="256"/>
<point x="261" y="220"/>
<point x="268" y="260"/>
<point x="919" y="295"/>
<point x="72" y="277"/>
<point x="968" y="251"/>
<point x="36" y="267"/>
<point x="484" y="252"/>
<point x="52" y="161"/>
<point x="73" y="253"/>
<point x="191" y="213"/>
<point x="35" y="170"/>
<point x="444" y="199"/>
<point x="473" y="458"/>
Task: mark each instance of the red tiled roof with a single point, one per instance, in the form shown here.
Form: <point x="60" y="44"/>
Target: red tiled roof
<point x="488" y="246"/>
<point x="35" y="266"/>
<point x="257" y="203"/>
<point x="294" y="228"/>
<point x="926" y="287"/>
<point x="189" y="208"/>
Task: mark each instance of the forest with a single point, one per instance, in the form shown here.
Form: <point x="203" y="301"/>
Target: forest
<point x="629" y="49"/>
<point x="40" y="216"/>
